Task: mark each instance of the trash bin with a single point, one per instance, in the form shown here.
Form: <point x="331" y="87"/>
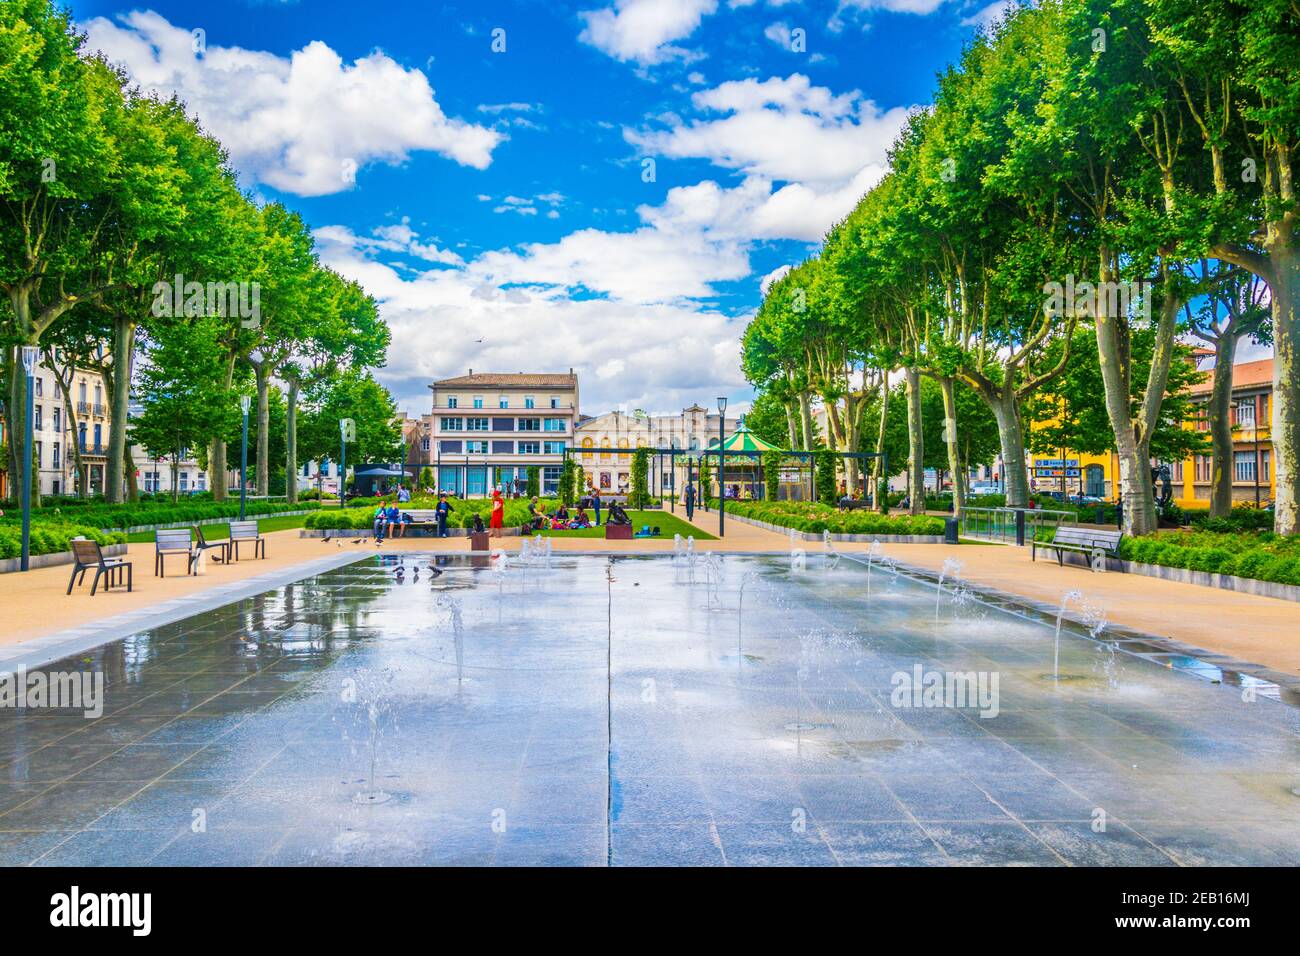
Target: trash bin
<point x="950" y="530"/>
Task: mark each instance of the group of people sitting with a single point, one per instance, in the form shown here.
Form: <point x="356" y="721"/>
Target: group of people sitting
<point x="561" y="520"/>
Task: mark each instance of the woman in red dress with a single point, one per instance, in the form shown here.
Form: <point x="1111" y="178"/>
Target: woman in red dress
<point x="497" y="517"/>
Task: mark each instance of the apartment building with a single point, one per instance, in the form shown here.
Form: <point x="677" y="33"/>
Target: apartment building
<point x="488" y="428"/>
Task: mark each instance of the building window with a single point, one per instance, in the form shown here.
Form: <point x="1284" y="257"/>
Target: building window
<point x="503" y="401"/>
<point x="1243" y="466"/>
<point x="451" y="401"/>
<point x="476" y="424"/>
<point x="424" y="443"/>
<point x="1245" y="413"/>
<point x="450" y="447"/>
<point x="554" y="447"/>
<point x="530" y="425"/>
<point x="185" y="481"/>
<point x="452" y="424"/>
<point x="58" y="419"/>
<point x="529" y="448"/>
<point x="503" y="448"/>
<point x="99" y="435"/>
<point x="1263" y="464"/>
<point x="476" y="447"/>
<point x="36" y="421"/>
<point x="478" y="401"/>
<point x="40" y="387"/>
<point x="554" y="424"/>
<point x="555" y="401"/>
<point x="551" y="479"/>
<point x="55" y="459"/>
<point x="37" y="446"/>
<point x="530" y="401"/>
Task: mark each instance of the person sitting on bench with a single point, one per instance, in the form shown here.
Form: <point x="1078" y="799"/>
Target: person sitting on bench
<point x="617" y="515"/>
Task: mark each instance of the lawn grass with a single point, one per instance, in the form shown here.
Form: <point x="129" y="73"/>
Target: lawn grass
<point x="216" y="532"/>
<point x="667" y="523"/>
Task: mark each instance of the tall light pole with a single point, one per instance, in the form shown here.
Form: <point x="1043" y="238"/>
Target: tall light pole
<point x="244" y="402"/>
<point x="722" y="467"/>
<point x="29" y="368"/>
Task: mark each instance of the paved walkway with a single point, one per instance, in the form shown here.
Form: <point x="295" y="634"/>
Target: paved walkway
<point x="1254" y="629"/>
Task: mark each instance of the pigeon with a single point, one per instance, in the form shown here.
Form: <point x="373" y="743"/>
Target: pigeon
<point x="326" y="539"/>
<point x="437" y="571"/>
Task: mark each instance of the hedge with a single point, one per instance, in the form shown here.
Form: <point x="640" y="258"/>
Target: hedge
<point x="1263" y="556"/>
<point x="50" y="538"/>
<point x="133" y="515"/>
<point x="817" y="518"/>
<point x="360" y="516"/>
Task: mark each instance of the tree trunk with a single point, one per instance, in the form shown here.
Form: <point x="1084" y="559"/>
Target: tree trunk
<point x="805" y="417"/>
<point x="1286" y="403"/>
<point x="950" y="439"/>
<point x="128" y="468"/>
<point x="1218" y="411"/>
<point x="1011" y="437"/>
<point x="915" y="444"/>
<point x="263" y="429"/>
<point x="217" y="466"/>
<point x="791" y="425"/>
<point x="291" y="443"/>
<point x="119" y="383"/>
<point x="879" y="478"/>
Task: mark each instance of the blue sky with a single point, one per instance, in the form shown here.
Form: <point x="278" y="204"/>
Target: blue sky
<point x="501" y="203"/>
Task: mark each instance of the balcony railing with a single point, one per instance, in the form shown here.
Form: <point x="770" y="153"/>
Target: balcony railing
<point x="99" y="411"/>
<point x="83" y="408"/>
<point x="95" y="449"/>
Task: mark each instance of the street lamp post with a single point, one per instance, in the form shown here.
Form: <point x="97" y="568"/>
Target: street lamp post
<point x="722" y="467"/>
<point x="243" y="458"/>
<point x="29" y="353"/>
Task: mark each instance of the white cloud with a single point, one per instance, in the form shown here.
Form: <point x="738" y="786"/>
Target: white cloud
<point x="643" y="31"/>
<point x="806" y="155"/>
<point x="399" y="238"/>
<point x="783" y="129"/>
<point x="986" y="15"/>
<point x="683" y="351"/>
<point x="766" y="282"/>
<point x="920" y="7"/>
<point x="303" y="125"/>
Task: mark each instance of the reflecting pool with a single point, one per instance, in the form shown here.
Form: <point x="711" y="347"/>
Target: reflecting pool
<point x="594" y="710"/>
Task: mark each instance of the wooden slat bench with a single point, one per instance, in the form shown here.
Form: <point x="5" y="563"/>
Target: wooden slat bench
<point x="245" y="531"/>
<point x="1085" y="541"/>
<point x="87" y="554"/>
<point x="171" y="541"/>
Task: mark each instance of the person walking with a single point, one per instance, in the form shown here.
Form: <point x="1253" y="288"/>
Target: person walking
<point x="595" y="504"/>
<point x="440" y="513"/>
<point x="690" y="502"/>
<point x="497" y="519"/>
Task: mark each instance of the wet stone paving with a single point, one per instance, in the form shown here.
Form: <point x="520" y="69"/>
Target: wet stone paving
<point x="597" y="710"/>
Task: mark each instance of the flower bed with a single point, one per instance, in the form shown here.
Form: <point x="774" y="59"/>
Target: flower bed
<point x="816" y="518"/>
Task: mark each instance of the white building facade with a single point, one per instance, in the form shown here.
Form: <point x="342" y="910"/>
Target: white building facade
<point x="488" y="428"/>
<point x="692" y="430"/>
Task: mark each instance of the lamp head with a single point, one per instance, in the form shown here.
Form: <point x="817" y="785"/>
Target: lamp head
<point x="722" y="404"/>
<point x="29" y="358"/>
<point x="244" y="402"/>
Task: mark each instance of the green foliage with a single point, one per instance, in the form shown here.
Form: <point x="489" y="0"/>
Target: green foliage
<point x="825" y="463"/>
<point x="816" y="518"/>
<point x="639" y="494"/>
<point x="534" y="481"/>
<point x="570" y="479"/>
<point x="1263" y="556"/>
<point x="52" y="538"/>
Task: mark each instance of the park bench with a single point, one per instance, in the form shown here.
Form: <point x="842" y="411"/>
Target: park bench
<point x="205" y="545"/>
<point x="245" y="531"/>
<point x="854" y="504"/>
<point x="171" y="541"/>
<point x="1091" y="542"/>
<point x="87" y="554"/>
<point x="421" y="518"/>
